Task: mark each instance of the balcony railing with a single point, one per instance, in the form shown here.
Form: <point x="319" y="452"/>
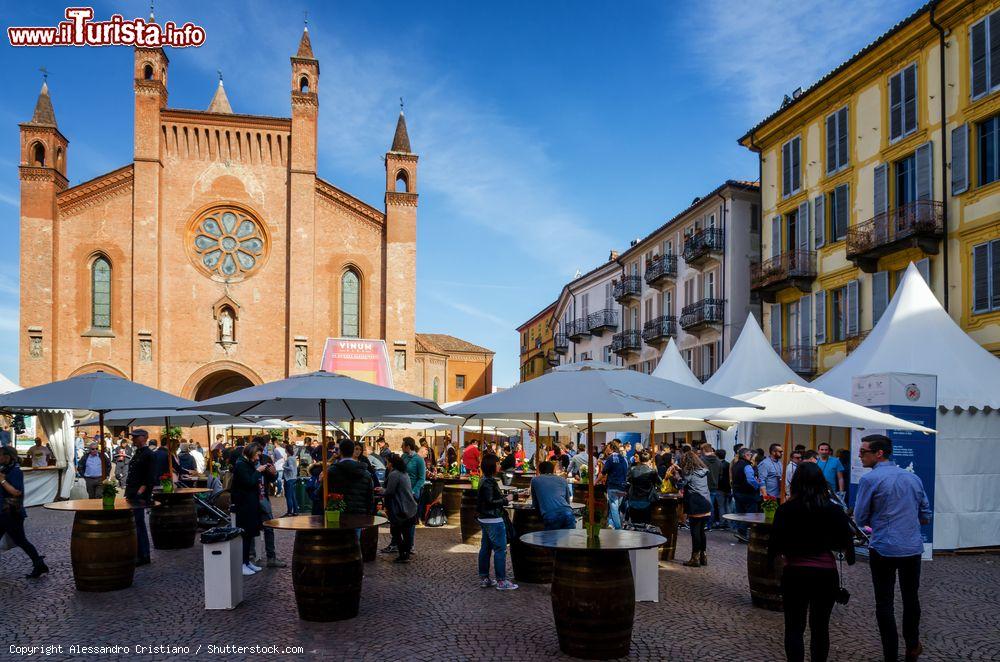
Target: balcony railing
<point x="627" y="288"/>
<point x="702" y="314"/>
<point x="658" y="330"/>
<point x="853" y="342"/>
<point x="790" y="269"/>
<point x="800" y="358"/>
<point x="917" y="224"/>
<point x="702" y="244"/>
<point x="660" y="270"/>
<point x="602" y="320"/>
<point x="561" y="343"/>
<point x="577" y="329"/>
<point x="625" y="342"/>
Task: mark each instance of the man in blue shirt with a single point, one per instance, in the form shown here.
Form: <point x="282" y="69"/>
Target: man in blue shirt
<point x="550" y="496"/>
<point x="746" y="490"/>
<point x="615" y="471"/>
<point x="832" y="468"/>
<point x="892" y="502"/>
<point x="770" y="471"/>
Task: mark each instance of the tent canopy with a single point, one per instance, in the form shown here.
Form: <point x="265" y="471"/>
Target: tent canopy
<point x="916" y="335"/>
<point x="673" y="367"/>
<point x="751" y="364"/>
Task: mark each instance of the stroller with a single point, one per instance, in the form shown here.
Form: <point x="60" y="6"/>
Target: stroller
<point x="212" y="509"/>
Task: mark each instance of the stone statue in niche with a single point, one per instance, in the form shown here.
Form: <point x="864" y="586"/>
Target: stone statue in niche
<point x="301" y="356"/>
<point x="35" y="347"/>
<point x="226" y="326"/>
<point x="145" y="350"/>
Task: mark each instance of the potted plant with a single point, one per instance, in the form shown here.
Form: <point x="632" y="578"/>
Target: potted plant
<point x="474" y="479"/>
<point x="166" y="484"/>
<point x="109" y="490"/>
<point x="335" y="505"/>
<point x="600" y="519"/>
<point x="769" y="506"/>
<point x="584" y="475"/>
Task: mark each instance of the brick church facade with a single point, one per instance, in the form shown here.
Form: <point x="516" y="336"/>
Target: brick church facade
<point x="218" y="258"/>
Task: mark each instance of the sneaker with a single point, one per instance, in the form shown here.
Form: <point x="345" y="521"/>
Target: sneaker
<point x="247" y="570"/>
<point x="487" y="582"/>
<point x="506" y="585"/>
<point x="254" y="567"/>
<point x="260" y="562"/>
<point x="276" y="563"/>
<point x="389" y="549"/>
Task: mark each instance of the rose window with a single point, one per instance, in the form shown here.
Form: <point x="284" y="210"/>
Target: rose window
<point x="228" y="243"/>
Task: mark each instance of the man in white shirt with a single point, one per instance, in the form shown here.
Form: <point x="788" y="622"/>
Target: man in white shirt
<point x="39" y="454"/>
<point x="199" y="456"/>
<point x="79" y="443"/>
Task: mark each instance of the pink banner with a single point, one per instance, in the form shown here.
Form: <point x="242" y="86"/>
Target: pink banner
<point x="358" y="358"/>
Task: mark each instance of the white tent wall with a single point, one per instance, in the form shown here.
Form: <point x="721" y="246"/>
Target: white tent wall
<point x="58" y="428"/>
<point x="966" y="496"/>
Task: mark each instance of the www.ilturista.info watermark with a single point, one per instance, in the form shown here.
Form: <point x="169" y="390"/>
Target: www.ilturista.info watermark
<point x="80" y="30"/>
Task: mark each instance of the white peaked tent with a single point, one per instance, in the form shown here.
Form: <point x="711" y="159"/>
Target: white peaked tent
<point x="751" y="364"/>
<point x="673" y="367"/>
<point x="916" y="335"/>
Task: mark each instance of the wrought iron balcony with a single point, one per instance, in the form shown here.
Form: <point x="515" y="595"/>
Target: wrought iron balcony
<point x="790" y="269"/>
<point x="800" y="358"/>
<point x="702" y="315"/>
<point x="577" y="329"/>
<point x="703" y="245"/>
<point x="629" y="287"/>
<point x="853" y="342"/>
<point x="661" y="270"/>
<point x="602" y="320"/>
<point x="561" y="343"/>
<point x="625" y="342"/>
<point x="918" y="224"/>
<point x="658" y="330"/>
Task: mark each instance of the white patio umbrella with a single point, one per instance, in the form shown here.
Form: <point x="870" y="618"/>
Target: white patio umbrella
<point x="587" y="389"/>
<point x="332" y="396"/>
<point x="97" y="391"/>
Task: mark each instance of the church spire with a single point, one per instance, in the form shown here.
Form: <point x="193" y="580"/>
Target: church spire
<point x="401" y="140"/>
<point x="305" y="46"/>
<point x="220" y="102"/>
<point x="44" y="114"/>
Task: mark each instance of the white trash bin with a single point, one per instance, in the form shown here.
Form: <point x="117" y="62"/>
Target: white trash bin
<point x="223" y="573"/>
<point x="645" y="574"/>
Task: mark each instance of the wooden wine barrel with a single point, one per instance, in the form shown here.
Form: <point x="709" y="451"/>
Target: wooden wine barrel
<point x="532" y="565"/>
<point x="326" y="573"/>
<point x="369" y="544"/>
<point x="471" y="531"/>
<point x="765" y="583"/>
<point x="593" y="602"/>
<point x="452" y="497"/>
<point x="173" y="523"/>
<point x="665" y="514"/>
<point x="103" y="549"/>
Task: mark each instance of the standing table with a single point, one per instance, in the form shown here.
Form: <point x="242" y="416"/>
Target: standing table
<point x="593" y="594"/>
<point x="665" y="513"/>
<point x="326" y="564"/>
<point x="173" y="522"/>
<point x="765" y="582"/>
<point x="103" y="546"/>
<point x="451" y="500"/>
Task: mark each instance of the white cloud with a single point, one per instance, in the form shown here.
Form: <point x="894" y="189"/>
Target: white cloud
<point x="764" y="52"/>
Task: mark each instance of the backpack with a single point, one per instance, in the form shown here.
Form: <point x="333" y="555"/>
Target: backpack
<point x="436" y="516"/>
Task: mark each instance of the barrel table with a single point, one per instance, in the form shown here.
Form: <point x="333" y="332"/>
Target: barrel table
<point x="103" y="545"/>
<point x="765" y="582"/>
<point x="532" y="565"/>
<point x="665" y="513"/>
<point x="326" y="564"/>
<point x="593" y="595"/>
<point x="451" y="500"/>
<point x="173" y="522"/>
<point x="468" y="521"/>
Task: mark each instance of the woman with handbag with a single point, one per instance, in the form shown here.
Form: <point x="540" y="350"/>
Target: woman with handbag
<point x="12" y="513"/>
<point x="807" y="530"/>
<point x="489" y="510"/>
<point x="643" y="482"/>
<point x="246" y="497"/>
<point x="401" y="508"/>
<point x="691" y="476"/>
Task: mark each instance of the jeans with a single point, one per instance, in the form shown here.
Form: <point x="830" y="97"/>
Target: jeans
<point x="13" y="526"/>
<point x="808" y="590"/>
<point x="402" y="535"/>
<point x="141" y="536"/>
<point x="495" y="541"/>
<point x="884" y="570"/>
<point x="560" y="520"/>
<point x="745" y="503"/>
<point x="699" y="542"/>
<point x="290" y="498"/>
<point x="614" y="507"/>
<point x="265" y="506"/>
<point x="718" y="507"/>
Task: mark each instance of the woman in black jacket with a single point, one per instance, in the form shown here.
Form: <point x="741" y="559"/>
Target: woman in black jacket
<point x="808" y="529"/>
<point x="489" y="509"/>
<point x="643" y="482"/>
<point x="245" y="492"/>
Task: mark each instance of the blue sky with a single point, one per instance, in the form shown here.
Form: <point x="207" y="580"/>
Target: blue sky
<point x="549" y="133"/>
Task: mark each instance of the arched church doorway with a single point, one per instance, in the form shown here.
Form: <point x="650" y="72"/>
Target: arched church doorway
<point x="220" y="382"/>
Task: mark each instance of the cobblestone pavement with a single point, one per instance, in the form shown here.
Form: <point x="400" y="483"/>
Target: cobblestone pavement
<point x="432" y="609"/>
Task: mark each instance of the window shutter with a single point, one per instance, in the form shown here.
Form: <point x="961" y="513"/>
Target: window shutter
<point x="831" y="143"/>
<point x="925" y="171"/>
<point x="910" y="99"/>
<point x="786" y="169"/>
<point x="852" y="308"/>
<point x="994" y="33"/>
<point x="995" y="274"/>
<point x="819" y="308"/>
<point x="819" y="221"/>
<point x="981" y="278"/>
<point x="805" y="320"/>
<point x="960" y="159"/>
<point x="802" y="227"/>
<point x="843" y="210"/>
<point x="978" y="59"/>
<point x="796" y="163"/>
<point x="776" y="326"/>
<point x="776" y="236"/>
<point x="843" y="147"/>
<point x="881" y="190"/>
<point x="924" y="267"/>
<point x="880" y="295"/>
<point x="896" y="106"/>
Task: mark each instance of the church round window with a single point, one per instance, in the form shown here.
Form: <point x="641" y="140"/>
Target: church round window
<point x="227" y="243"/>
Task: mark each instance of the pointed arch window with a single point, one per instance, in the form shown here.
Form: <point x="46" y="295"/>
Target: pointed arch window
<point x="100" y="292"/>
<point x="350" y="304"/>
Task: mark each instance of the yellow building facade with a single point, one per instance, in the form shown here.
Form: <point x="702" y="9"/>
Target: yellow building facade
<point x="860" y="176"/>
<point x="537" y="344"/>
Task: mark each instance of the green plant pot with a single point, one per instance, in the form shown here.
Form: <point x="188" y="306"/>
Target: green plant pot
<point x="769" y="516"/>
<point x="593" y="530"/>
<point x="332" y="517"/>
<point x="109" y="502"/>
<point x="167" y="486"/>
<point x="475" y="482"/>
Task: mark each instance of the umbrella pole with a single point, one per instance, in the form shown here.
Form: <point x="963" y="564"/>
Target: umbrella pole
<point x="482" y="436"/>
<point x="104" y="468"/>
<point x="208" y="433"/>
<point x="812" y="437"/>
<point x="538" y="442"/>
<point x="784" y="460"/>
<point x="652" y="432"/>
<point x="590" y="474"/>
<point x="322" y="422"/>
